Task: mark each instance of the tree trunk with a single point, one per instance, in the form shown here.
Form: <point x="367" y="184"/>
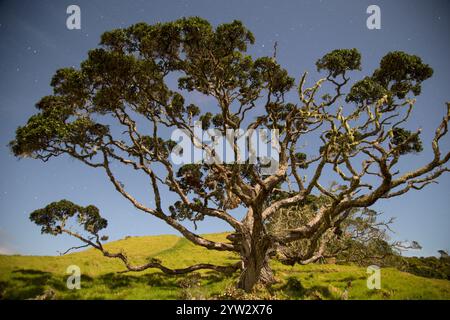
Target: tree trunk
<point x="255" y="249"/>
<point x="256" y="268"/>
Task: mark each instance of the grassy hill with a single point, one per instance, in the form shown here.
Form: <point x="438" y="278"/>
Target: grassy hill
<point x="24" y="277"/>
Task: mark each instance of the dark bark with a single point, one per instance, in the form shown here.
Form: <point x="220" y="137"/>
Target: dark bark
<point x="256" y="270"/>
<point x="255" y="255"/>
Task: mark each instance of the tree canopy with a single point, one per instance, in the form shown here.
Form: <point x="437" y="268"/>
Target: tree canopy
<point x="115" y="107"/>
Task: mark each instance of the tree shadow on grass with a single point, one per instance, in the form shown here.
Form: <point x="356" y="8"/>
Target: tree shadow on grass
<point x="157" y="279"/>
<point x="30" y="283"/>
<point x="116" y="281"/>
<point x="346" y="279"/>
<point x="294" y="289"/>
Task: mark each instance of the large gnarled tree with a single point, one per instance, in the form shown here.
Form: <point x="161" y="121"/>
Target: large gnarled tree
<point x="360" y="133"/>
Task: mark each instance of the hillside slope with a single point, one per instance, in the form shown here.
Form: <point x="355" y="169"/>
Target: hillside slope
<point x="24" y="277"/>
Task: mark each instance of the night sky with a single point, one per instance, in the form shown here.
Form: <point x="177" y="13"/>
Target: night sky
<point x="35" y="43"/>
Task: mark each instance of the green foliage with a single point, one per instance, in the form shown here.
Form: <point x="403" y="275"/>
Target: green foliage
<point x="367" y="90"/>
<point x="191" y="177"/>
<point x="399" y="74"/>
<point x="360" y="239"/>
<point x="46" y="131"/>
<point x="266" y="70"/>
<point x="406" y="141"/>
<point x="428" y="267"/>
<point x="337" y="62"/>
<point x="402" y="73"/>
<point x="128" y="72"/>
<point x="206" y="120"/>
<point x="181" y="212"/>
<point x="154" y="146"/>
<point x="300" y="159"/>
<point x="53" y="217"/>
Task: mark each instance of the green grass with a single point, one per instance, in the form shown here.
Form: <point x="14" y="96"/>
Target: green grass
<point x="24" y="277"/>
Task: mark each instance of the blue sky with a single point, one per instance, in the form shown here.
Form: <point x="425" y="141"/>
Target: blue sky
<point x="35" y="43"/>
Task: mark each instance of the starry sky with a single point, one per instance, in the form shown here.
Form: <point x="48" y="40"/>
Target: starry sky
<point x="35" y="43"/>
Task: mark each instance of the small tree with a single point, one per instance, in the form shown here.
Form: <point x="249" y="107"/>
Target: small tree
<point x="114" y="108"/>
<point x="361" y="238"/>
